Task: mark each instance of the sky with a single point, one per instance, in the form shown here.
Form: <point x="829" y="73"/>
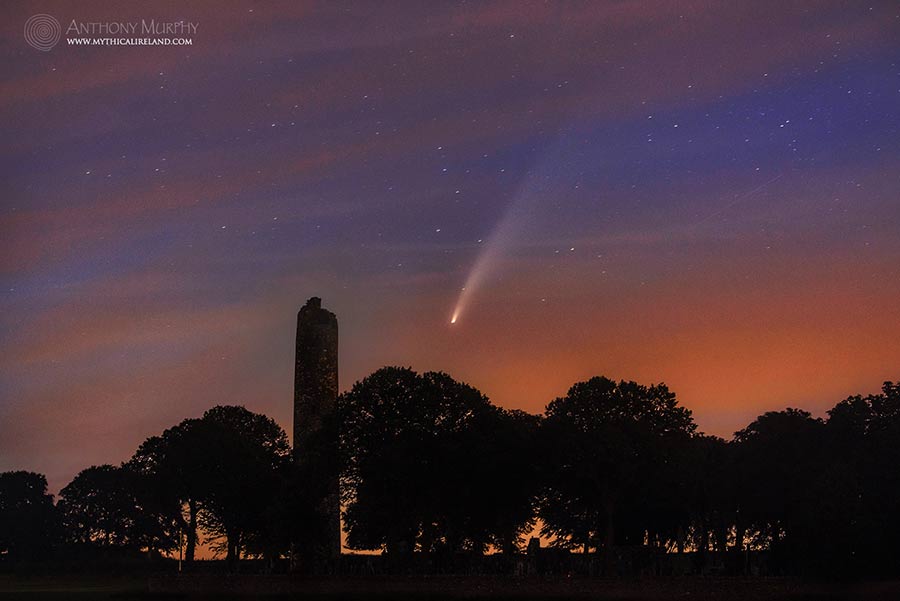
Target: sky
<point x="705" y="194"/>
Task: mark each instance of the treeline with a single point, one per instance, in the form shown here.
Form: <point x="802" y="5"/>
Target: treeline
<point x="428" y="466"/>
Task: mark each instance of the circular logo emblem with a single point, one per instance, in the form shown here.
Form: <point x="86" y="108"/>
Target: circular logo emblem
<point x="42" y="32"/>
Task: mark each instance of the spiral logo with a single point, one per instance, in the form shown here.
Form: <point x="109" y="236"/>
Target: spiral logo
<point x="42" y="32"/>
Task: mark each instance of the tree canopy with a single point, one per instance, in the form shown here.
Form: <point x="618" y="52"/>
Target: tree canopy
<point x="28" y="521"/>
<point x="422" y="452"/>
<point x="608" y="448"/>
<point x="107" y="506"/>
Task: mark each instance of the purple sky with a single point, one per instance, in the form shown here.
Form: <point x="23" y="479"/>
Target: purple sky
<point x="701" y="193"/>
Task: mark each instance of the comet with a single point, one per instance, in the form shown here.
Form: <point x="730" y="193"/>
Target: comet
<point x="533" y="188"/>
<point x="488" y="258"/>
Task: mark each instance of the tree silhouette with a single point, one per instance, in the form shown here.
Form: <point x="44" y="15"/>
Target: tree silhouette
<point x="863" y="435"/>
<point x="241" y="454"/>
<point x="173" y="466"/>
<point x="780" y="456"/>
<point x="106" y="506"/>
<point x="502" y="480"/>
<point x="705" y="510"/>
<point x="607" y="447"/>
<point x="291" y="520"/>
<point x="428" y="464"/>
<point x="29" y="525"/>
<point x="420" y="455"/>
<point x="223" y="472"/>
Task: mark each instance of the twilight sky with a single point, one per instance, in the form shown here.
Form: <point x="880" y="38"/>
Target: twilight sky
<point x="701" y="193"/>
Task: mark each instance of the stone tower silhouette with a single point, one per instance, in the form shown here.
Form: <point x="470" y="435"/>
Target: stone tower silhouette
<point x="315" y="395"/>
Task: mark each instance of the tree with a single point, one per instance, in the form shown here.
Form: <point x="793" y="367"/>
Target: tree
<point x="291" y="521"/>
<point x="29" y="523"/>
<point x="225" y="472"/>
<point x="420" y="455"/>
<point x="784" y="481"/>
<point x="174" y="467"/>
<point x="862" y="434"/>
<point x="241" y="455"/>
<point x="502" y="479"/>
<point x="608" y="447"/>
<point x="700" y="502"/>
<point x="106" y="506"/>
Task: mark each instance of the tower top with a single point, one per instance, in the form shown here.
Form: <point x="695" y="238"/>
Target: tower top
<point x="312" y="312"/>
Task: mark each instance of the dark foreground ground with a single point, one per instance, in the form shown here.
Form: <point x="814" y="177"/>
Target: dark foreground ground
<point x="437" y="587"/>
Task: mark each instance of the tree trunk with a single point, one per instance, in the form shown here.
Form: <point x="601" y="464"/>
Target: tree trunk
<point x="721" y="539"/>
<point x="191" y="532"/>
<point x="233" y="544"/>
<point x="703" y="551"/>
<point x="609" y="540"/>
<point x="739" y="537"/>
